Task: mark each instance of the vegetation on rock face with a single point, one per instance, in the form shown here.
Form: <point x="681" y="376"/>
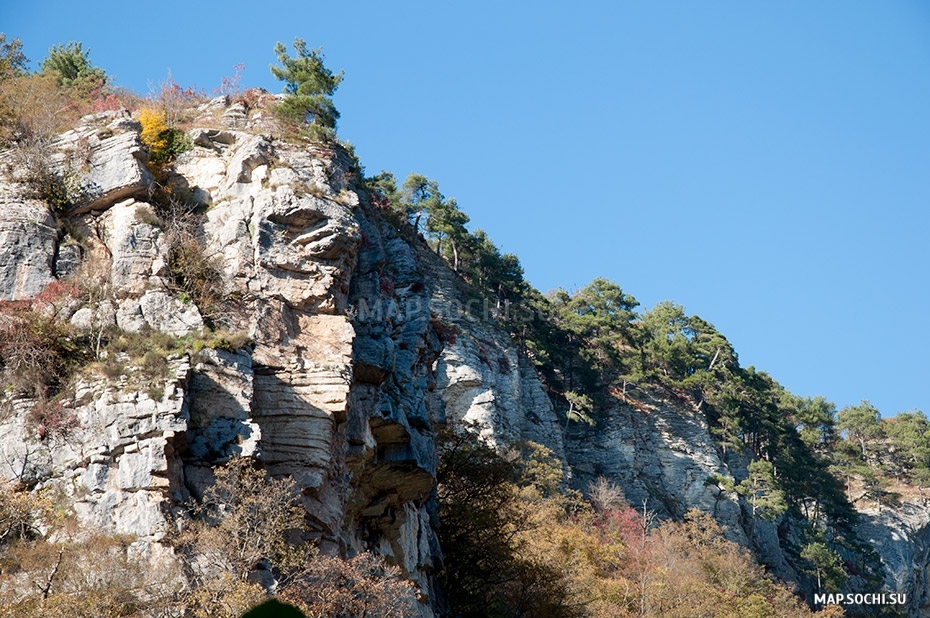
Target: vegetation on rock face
<point x="248" y="528"/>
<point x="480" y="506"/>
<point x="196" y="275"/>
<point x="164" y="143"/>
<point x="38" y="350"/>
<point x="596" y="351"/>
<point x="795" y="457"/>
<point x="52" y="568"/>
<point x="34" y="106"/>
<point x="549" y="554"/>
<point x="12" y="59"/>
<point x="244" y="525"/>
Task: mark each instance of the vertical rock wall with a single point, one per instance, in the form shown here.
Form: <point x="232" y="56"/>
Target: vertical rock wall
<point x="901" y="535"/>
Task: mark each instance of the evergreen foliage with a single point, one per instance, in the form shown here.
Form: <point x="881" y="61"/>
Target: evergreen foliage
<point x="862" y="424"/>
<point x="12" y="60"/>
<point x="909" y="437"/>
<point x="447" y="223"/>
<point x="826" y="565"/>
<point x="479" y="506"/>
<point x="595" y="350"/>
<point x="499" y="274"/>
<point x="70" y="64"/>
<point x="419" y="196"/>
<point x="382" y="190"/>
<point x="309" y="86"/>
<point x="34" y="106"/>
<point x="762" y="491"/>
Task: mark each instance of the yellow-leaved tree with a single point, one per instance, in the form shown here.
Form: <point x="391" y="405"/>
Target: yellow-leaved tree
<point x="154" y="133"/>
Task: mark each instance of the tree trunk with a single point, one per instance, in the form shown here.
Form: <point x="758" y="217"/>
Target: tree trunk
<point x="714" y="360"/>
<point x="46" y="588"/>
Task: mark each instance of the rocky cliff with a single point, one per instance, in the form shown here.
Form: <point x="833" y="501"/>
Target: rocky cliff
<point x="660" y="450"/>
<point x="361" y="342"/>
<point x="350" y="365"/>
<point x="901" y="536"/>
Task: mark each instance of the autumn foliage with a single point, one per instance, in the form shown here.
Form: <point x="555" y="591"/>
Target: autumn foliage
<point x="37" y="348"/>
<point x="517" y="544"/>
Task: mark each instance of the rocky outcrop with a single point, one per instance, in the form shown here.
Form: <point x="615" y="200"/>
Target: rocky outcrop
<point x="105" y="154"/>
<point x="114" y="449"/>
<point x="661" y="453"/>
<point x="335" y="401"/>
<point x="27" y="246"/>
<point x="481" y="377"/>
<point x="901" y="536"/>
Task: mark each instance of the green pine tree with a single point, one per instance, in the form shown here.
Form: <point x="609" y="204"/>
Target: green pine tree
<point x="309" y="86"/>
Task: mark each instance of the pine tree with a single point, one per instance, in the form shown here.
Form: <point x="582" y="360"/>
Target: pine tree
<point x="861" y="423"/>
<point x="447" y="222"/>
<point x="309" y="86"/>
<point x="419" y="196"/>
<point x="761" y="489"/>
<point x="12" y="60"/>
<point x="71" y="66"/>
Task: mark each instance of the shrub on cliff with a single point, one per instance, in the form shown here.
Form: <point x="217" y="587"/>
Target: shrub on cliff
<point x="85" y="574"/>
<point x="34" y="106"/>
<point x="544" y="552"/>
<point x="360" y="586"/>
<point x="37" y="348"/>
<point x="196" y="275"/>
<point x="30" y="109"/>
<point x="247" y="523"/>
<point x="163" y="142"/>
<point x="48" y="567"/>
<point x="481" y="505"/>
<point x="12" y="59"/>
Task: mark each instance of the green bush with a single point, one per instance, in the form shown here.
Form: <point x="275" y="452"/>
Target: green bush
<point x="70" y="64"/>
<point x="142" y="357"/>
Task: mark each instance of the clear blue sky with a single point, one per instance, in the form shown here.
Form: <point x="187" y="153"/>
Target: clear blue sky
<point x="767" y="165"/>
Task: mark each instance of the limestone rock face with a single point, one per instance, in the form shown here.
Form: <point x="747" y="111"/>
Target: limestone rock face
<point x="661" y="454"/>
<point x="27" y="246"/>
<point x="362" y="342"/>
<point x="105" y="150"/>
<point x="135" y="246"/>
<point x="901" y="536"/>
<point x="480" y="376"/>
<point x="115" y="450"/>
<point x="283" y="225"/>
